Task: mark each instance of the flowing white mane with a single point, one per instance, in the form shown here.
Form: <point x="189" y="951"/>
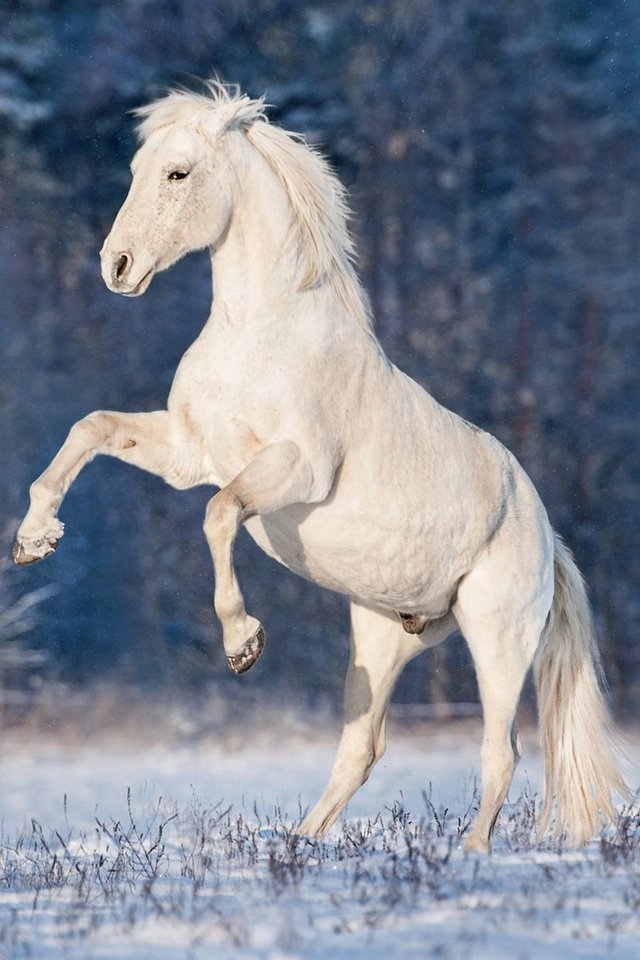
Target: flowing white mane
<point x="320" y="213"/>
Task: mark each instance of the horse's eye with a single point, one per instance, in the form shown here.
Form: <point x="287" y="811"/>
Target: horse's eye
<point x="178" y="174"/>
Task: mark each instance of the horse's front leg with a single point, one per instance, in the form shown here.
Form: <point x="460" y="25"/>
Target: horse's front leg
<point x="277" y="477"/>
<point x="142" y="439"/>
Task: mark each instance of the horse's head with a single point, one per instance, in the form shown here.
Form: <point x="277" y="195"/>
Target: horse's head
<point x="180" y="200"/>
<point x="207" y="163"/>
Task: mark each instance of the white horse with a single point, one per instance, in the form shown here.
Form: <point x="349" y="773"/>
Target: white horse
<point x="342" y="468"/>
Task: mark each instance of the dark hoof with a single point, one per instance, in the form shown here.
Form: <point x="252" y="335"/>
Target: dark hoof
<point x="252" y="649"/>
<point x="39" y="550"/>
<point x="413" y="622"/>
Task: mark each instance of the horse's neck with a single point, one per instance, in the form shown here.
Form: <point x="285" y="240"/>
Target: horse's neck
<point x="251" y="268"/>
<point x="256" y="275"/>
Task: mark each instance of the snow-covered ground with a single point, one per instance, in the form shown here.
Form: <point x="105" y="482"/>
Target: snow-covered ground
<point x="391" y="881"/>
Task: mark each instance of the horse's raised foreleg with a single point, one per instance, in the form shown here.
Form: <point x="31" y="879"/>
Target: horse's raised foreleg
<point x="380" y="648"/>
<point x="278" y="476"/>
<point x="142" y="439"/>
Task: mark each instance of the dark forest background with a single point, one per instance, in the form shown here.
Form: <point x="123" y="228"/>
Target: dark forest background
<point x="492" y="154"/>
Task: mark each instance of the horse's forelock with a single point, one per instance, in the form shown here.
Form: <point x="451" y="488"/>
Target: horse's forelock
<point x="220" y="108"/>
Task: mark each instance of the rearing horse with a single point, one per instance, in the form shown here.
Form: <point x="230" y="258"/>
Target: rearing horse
<point x="340" y="466"/>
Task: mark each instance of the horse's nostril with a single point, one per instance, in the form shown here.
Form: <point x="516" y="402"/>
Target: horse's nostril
<point x="121" y="266"/>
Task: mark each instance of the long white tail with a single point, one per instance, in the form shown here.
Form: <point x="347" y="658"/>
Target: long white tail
<point x="576" y="729"/>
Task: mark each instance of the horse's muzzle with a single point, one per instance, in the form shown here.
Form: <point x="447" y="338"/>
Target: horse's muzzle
<point x="121" y="268"/>
<point x="120" y="276"/>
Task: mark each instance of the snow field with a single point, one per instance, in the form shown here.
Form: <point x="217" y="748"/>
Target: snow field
<point x="187" y="850"/>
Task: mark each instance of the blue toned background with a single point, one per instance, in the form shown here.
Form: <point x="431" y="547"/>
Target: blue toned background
<point x="492" y="153"/>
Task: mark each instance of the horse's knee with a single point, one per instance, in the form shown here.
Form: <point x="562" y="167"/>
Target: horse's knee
<point x="212" y="514"/>
<point x="222" y="514"/>
<point x="93" y="429"/>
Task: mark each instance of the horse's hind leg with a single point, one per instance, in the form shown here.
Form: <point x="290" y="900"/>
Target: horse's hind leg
<point x="502" y="630"/>
<point x="380" y="648"/>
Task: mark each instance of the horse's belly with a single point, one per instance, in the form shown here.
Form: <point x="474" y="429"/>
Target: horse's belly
<point x="392" y="569"/>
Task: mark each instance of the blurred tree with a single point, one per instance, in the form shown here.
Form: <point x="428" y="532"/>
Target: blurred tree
<point x="492" y="155"/>
<point x="20" y="662"/>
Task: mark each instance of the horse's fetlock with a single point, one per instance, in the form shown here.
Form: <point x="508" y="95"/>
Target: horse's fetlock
<point x="37" y="488"/>
<point x="228" y="611"/>
<point x="42" y="491"/>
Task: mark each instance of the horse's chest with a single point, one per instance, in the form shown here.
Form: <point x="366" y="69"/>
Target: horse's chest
<point x="224" y="412"/>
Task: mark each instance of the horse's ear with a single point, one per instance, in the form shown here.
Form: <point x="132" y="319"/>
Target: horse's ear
<point x="230" y="109"/>
<point x="220" y="109"/>
<point x="217" y="121"/>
